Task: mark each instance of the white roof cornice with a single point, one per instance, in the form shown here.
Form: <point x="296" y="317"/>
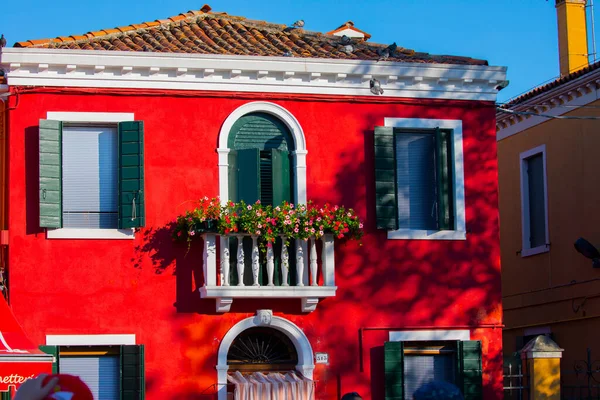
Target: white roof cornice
<point x="562" y="99"/>
<point x="116" y="69"/>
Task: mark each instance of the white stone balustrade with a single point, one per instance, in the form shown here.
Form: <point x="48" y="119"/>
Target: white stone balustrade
<point x="308" y="262"/>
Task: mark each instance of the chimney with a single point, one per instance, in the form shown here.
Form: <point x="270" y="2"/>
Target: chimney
<point x="572" y="35"/>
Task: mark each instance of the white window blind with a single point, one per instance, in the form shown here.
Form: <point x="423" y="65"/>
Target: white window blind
<point x="100" y="373"/>
<point x="415" y="159"/>
<point x="89" y="177"/>
<point x="422" y="369"/>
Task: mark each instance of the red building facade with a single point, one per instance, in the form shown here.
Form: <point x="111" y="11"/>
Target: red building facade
<point x="103" y="292"/>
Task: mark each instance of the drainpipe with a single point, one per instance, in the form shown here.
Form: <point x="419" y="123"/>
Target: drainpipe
<point x="3" y="195"/>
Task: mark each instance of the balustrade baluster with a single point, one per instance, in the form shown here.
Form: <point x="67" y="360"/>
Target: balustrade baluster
<point x="224" y="261"/>
<point x="299" y="264"/>
<point x="240" y="260"/>
<point x="285" y="262"/>
<point x="255" y="260"/>
<point x="270" y="263"/>
<point x="313" y="261"/>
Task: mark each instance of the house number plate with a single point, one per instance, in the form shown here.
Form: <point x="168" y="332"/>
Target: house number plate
<point x="321" y="358"/>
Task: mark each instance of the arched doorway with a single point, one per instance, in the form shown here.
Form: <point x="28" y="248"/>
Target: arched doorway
<point x="264" y="319"/>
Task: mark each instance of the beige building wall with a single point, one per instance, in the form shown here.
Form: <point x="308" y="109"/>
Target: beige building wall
<point x="557" y="289"/>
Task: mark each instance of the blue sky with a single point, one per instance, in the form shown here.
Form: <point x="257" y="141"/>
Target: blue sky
<point x="519" y="34"/>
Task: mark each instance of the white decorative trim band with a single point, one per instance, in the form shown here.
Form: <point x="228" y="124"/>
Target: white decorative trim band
<point x="404" y="336"/>
<point x="76" y="233"/>
<point x="89" y="117"/>
<point x="89" y="340"/>
<point x="80" y="68"/>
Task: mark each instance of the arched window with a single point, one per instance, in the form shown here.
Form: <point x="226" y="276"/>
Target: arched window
<point x="259" y="160"/>
<point x="262" y="349"/>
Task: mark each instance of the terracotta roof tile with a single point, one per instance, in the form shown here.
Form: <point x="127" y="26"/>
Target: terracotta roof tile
<point x="208" y="32"/>
<point x="551" y="85"/>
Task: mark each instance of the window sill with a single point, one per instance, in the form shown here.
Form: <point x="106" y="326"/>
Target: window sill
<point x="76" y="233"/>
<point x="536" y="250"/>
<point x="415" y="234"/>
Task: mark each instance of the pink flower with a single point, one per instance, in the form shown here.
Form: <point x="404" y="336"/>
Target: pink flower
<point x="258" y="213"/>
<point x="258" y="232"/>
<point x="302" y="208"/>
<point x="249" y="207"/>
<point x="335" y="208"/>
<point x="192" y="233"/>
<point x="312" y="230"/>
<point x="179" y="233"/>
<point x="305" y="229"/>
<point x="287" y="217"/>
<point x="260" y="225"/>
<point x="360" y="226"/>
<point x="268" y="219"/>
<point x="321" y="233"/>
<point x="257" y="201"/>
<point x="319" y="219"/>
<point x="190" y="219"/>
<point x="349" y="214"/>
<point x="296" y="230"/>
<point x="321" y="227"/>
<point x="277" y="208"/>
<point x="291" y="205"/>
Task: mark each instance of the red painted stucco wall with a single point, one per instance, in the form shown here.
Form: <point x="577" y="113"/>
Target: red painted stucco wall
<point x="148" y="286"/>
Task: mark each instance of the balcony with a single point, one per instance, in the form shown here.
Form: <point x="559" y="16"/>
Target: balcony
<point x="243" y="266"/>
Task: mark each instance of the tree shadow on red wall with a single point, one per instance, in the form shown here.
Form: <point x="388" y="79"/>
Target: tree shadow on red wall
<point x="32" y="181"/>
<point x="392" y="283"/>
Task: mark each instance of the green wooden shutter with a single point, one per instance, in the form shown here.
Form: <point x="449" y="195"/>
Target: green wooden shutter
<point x="266" y="177"/>
<point x="281" y="177"/>
<point x="133" y="385"/>
<point x="6" y="395"/>
<point x="443" y="156"/>
<point x="131" y="175"/>
<point x="233" y="176"/>
<point x="386" y="200"/>
<point x="469" y="369"/>
<point x="50" y="152"/>
<point x="248" y="175"/>
<point x="54" y="351"/>
<point x="394" y="370"/>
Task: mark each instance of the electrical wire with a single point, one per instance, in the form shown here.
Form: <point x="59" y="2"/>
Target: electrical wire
<point x="546" y="105"/>
<point x="532" y="114"/>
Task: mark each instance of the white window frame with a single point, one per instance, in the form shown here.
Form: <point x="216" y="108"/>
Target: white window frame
<point x="89" y="118"/>
<point x="527" y="251"/>
<point x="90" y="340"/>
<point x="460" y="231"/>
<point x="429" y="335"/>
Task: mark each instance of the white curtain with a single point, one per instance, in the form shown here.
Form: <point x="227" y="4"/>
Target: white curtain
<point x="272" y="386"/>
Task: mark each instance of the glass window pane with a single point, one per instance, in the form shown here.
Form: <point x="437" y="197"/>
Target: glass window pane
<point x="415" y="158"/>
<point x="100" y="373"/>
<point x="422" y="369"/>
<point x="537" y="205"/>
<point x="89" y="177"/>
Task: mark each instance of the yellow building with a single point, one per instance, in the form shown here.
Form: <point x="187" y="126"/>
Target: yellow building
<point x="549" y="182"/>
